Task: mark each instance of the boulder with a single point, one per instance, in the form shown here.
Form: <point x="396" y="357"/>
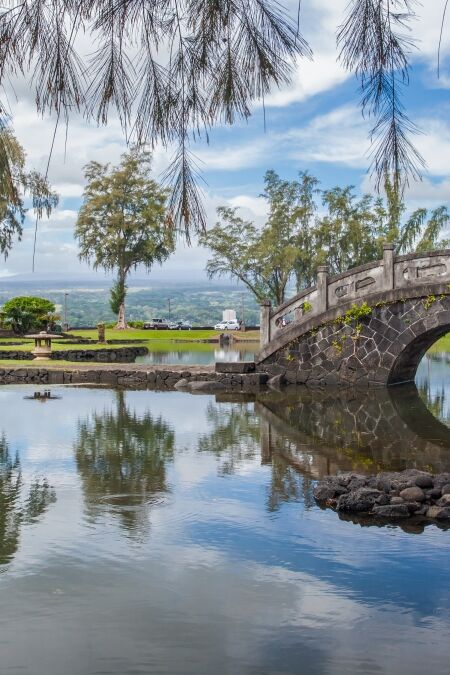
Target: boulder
<point x="424" y="481"/>
<point x="181" y="384"/>
<point x="434" y="493"/>
<point x="444" y="514"/>
<point x="358" y="500"/>
<point x="433" y="511"/>
<point x="383" y="484"/>
<point x="397" y="500"/>
<point x="392" y="511"/>
<point x="206" y="386"/>
<point x="446" y="489"/>
<point x="441" y="479"/>
<point x="413" y="494"/>
<point x="444" y="500"/>
<point x="439" y="513"/>
<point x="414" y="507"/>
<point x="323" y="492"/>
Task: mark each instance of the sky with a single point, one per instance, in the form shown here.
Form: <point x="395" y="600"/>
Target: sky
<point x="313" y="124"/>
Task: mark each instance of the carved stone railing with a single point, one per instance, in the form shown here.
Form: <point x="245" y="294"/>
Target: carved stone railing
<point x="392" y="272"/>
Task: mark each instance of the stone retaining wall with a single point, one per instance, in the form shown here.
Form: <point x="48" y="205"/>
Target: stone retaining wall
<point x="145" y="379"/>
<point x="122" y="355"/>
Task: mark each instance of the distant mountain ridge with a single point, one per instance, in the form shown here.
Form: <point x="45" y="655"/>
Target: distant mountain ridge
<point x="88" y="302"/>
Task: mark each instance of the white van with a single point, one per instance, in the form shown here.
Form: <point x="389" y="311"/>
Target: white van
<point x="227" y="325"/>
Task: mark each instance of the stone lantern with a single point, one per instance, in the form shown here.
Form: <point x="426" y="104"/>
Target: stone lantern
<point x="42" y="345"/>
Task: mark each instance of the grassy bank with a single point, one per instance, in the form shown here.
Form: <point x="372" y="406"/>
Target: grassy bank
<point x="155" y="340"/>
<point x="170" y="335"/>
<point x="442" y="345"/>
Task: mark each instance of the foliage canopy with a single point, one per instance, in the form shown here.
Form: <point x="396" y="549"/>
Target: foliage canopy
<point x="15" y="184"/>
<point x="122" y="222"/>
<point x="307" y="227"/>
<point x="26" y="313"/>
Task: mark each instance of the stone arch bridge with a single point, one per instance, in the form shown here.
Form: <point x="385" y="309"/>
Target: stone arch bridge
<point x="368" y="326"/>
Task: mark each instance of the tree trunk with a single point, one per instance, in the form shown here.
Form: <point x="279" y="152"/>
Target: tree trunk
<point x="121" y="323"/>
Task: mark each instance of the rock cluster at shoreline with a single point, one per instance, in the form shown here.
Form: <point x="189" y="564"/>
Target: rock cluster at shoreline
<point x="388" y="495"/>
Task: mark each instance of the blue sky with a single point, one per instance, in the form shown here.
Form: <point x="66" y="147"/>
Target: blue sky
<point x="314" y="124"/>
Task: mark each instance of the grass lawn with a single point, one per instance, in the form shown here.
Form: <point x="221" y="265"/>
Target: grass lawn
<point x="442" y="345"/>
<point x="155" y="341"/>
<point x="139" y="334"/>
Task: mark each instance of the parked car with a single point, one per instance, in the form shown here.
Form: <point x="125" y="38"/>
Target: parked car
<point x="156" y="324"/>
<point x="227" y="325"/>
<point x="180" y="325"/>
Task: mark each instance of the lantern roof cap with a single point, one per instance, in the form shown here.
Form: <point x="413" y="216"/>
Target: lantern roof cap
<point x="43" y="334"/>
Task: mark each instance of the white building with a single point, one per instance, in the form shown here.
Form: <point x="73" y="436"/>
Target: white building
<point x="229" y="315"/>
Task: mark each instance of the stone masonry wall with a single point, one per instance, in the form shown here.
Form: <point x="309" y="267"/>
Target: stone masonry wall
<point x="123" y="355"/>
<point x="142" y="378"/>
<point x="385" y="348"/>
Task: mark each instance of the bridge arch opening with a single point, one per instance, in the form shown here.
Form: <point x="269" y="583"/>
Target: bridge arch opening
<point x="405" y="366"/>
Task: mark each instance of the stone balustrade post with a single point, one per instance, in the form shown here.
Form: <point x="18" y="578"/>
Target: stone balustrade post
<point x="265" y="322"/>
<point x="322" y="288"/>
<point x="388" y="267"/>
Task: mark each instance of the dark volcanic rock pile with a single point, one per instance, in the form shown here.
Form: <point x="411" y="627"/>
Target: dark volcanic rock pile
<point x="388" y="496"/>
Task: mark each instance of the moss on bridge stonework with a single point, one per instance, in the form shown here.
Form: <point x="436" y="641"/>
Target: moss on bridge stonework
<point x="383" y="347"/>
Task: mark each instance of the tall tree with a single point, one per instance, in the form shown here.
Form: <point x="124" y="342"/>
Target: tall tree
<point x="16" y="183"/>
<point x="292" y="213"/>
<point x="123" y="222"/>
<point x="346" y="231"/>
<point x="421" y="231"/>
<point x="265" y="259"/>
<point x="258" y="259"/>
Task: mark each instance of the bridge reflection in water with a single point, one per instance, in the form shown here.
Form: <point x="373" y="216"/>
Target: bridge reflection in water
<point x="326" y="432"/>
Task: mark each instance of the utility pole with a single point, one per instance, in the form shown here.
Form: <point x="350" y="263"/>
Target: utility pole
<point x="66" y="326"/>
<point x="168" y="300"/>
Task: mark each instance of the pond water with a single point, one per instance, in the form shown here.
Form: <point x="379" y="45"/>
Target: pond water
<point x="204" y="354"/>
<point x="162" y="532"/>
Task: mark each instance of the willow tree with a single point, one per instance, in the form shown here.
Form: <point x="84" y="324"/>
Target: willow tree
<point x="17" y="184"/>
<point x="122" y="223"/>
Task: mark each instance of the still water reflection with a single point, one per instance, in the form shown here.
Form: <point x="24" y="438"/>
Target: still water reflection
<point x="152" y="532"/>
<point x="190" y="354"/>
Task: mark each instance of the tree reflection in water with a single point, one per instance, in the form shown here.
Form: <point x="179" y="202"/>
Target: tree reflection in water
<point x="287" y="484"/>
<point x="18" y="506"/>
<point x="236" y="436"/>
<point x="233" y="436"/>
<point x="121" y="458"/>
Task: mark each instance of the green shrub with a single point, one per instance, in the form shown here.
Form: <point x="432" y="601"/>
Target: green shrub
<point x="28" y="313"/>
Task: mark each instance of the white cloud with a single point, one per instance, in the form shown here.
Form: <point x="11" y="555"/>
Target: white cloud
<point x="251" y="208"/>
<point x="318" y="24"/>
<point x="338" y="137"/>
